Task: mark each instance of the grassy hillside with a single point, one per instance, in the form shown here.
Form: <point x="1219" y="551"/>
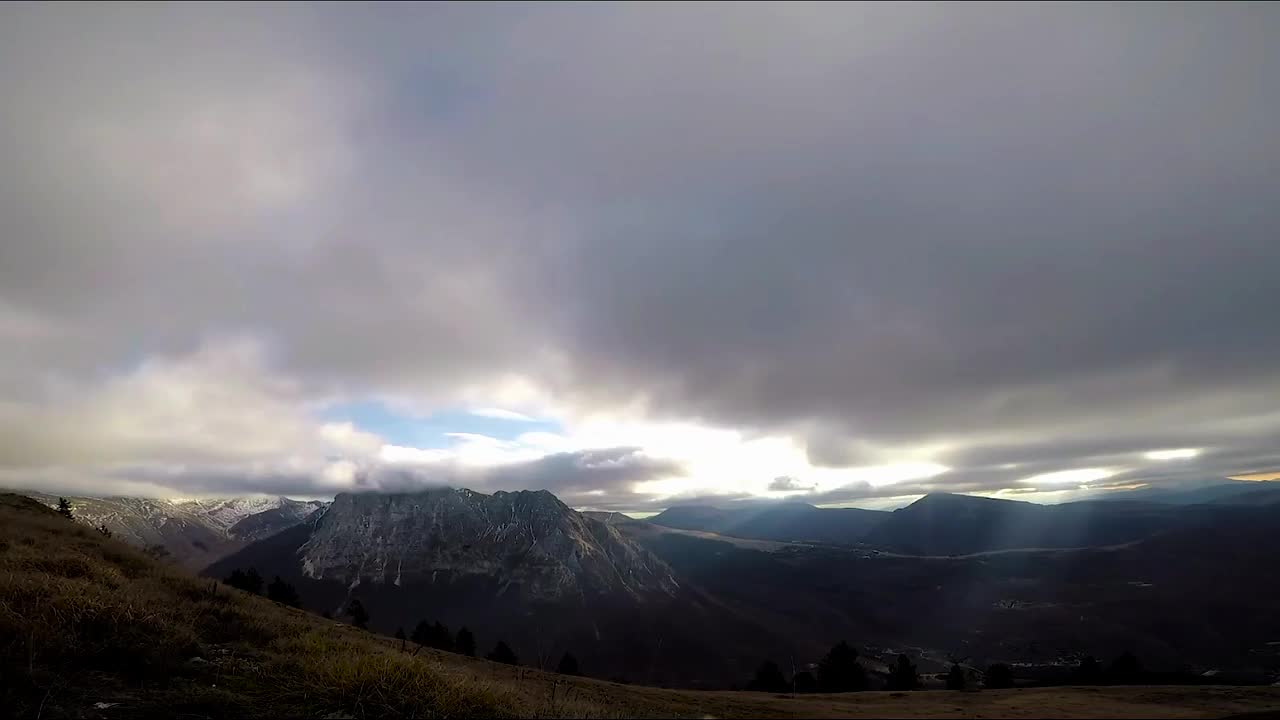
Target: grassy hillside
<point x="86" y="620"/>
<point x="91" y="628"/>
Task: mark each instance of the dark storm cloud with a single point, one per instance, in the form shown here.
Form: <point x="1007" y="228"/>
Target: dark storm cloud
<point x="1039" y="234"/>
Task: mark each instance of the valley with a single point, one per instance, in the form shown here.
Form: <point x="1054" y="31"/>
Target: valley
<point x="183" y="647"/>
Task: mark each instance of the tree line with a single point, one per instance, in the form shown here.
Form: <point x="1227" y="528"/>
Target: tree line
<point x="436" y="635"/>
<point x="425" y="634"/>
<point x="277" y="590"/>
<point x="840" y="671"/>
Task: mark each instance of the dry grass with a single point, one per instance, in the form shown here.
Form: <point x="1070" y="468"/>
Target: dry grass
<point x="85" y="620"/>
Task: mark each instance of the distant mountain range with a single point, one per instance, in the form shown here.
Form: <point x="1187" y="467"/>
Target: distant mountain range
<point x="947" y="524"/>
<point x="193" y="532"/>
<point x="699" y="595"/>
<point x="787" y="522"/>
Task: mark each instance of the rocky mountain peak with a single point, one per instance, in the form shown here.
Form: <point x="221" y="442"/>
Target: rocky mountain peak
<point x="529" y="541"/>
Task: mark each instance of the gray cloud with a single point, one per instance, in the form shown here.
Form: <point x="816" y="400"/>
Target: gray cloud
<point x="787" y="483"/>
<point x="1041" y="235"/>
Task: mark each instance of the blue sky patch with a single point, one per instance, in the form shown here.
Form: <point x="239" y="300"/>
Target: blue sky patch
<point x="429" y="431"/>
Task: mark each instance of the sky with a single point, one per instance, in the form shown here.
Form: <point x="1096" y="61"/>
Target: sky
<point x="638" y="254"/>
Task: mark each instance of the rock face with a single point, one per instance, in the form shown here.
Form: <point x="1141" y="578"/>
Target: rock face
<point x="528" y="541"/>
<point x="193" y="532"/>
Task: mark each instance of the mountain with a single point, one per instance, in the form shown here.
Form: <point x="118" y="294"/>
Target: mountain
<point x="946" y="524"/>
<point x="193" y="532"/>
<point x="530" y="542"/>
<point x="785" y="522"/>
<point x="120" y="635"/>
<point x="1213" y="490"/>
<point x="1194" y="593"/>
<point x="520" y="567"/>
<point x="608" y="518"/>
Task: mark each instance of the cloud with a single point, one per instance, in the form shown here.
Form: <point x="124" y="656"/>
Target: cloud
<point x="793" y="240"/>
<point x="785" y="484"/>
<point x="500" y="414"/>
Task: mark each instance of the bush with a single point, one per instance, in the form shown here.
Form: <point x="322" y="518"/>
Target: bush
<point x="903" y="676"/>
<point x="249" y="581"/>
<point x="359" y="616"/>
<point x="465" y="643"/>
<point x="839" y="670"/>
<point x="1125" y="670"/>
<point x="284" y="593"/>
<point x="568" y="665"/>
<point x="804" y="682"/>
<point x="955" y="678"/>
<point x="502" y="653"/>
<point x="1088" y="672"/>
<point x="998" y="676"/>
<point x="768" y="678"/>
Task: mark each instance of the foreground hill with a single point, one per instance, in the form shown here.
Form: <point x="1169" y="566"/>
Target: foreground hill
<point x="91" y="628"/>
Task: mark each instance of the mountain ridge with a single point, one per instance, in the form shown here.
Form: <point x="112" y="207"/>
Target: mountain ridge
<point x="194" y="532"/>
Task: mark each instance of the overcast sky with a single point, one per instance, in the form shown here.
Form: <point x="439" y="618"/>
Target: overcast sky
<point x="636" y="254"/>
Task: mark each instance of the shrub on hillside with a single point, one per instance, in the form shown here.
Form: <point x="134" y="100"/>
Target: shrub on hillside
<point x="769" y="678"/>
<point x="502" y="653"/>
<point x="903" y="676"/>
<point x="284" y="593"/>
<point x="568" y="665"/>
<point x="465" y="643"/>
<point x="247" y="580"/>
<point x="998" y="676"/>
<point x="359" y="616"/>
<point x="839" y="670"/>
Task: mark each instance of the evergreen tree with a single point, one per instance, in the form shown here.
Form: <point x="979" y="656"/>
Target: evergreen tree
<point x="249" y="581"/>
<point x="359" y="616"/>
<point x="282" y="592"/>
<point x="421" y="634"/>
<point x="64" y="509"/>
<point x="839" y="670"/>
<point x="955" y="678"/>
<point x="804" y="682"/>
<point x="769" y="678"/>
<point x="999" y="676"/>
<point x="441" y="638"/>
<point x="1125" y="670"/>
<point x="568" y="665"/>
<point x="903" y="675"/>
<point x="1088" y="672"/>
<point x="502" y="653"/>
<point x="465" y="643"/>
<point x="400" y="636"/>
